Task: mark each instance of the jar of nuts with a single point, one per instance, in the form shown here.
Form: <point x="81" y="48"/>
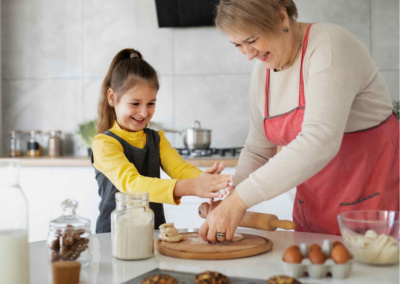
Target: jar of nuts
<point x="69" y="236"/>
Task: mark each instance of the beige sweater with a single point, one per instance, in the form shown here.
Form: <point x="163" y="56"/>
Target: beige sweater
<point x="344" y="92"/>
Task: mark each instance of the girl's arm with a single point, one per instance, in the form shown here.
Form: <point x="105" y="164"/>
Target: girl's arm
<point x="109" y="159"/>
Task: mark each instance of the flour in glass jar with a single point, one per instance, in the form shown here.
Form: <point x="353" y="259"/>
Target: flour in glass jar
<point x="133" y="235"/>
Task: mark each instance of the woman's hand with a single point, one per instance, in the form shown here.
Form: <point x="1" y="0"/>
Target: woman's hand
<point x="224" y="219"/>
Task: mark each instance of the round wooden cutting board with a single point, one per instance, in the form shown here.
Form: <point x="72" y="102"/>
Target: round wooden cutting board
<point x="193" y="247"/>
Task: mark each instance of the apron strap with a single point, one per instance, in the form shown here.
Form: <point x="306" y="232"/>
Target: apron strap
<point x="302" y="101"/>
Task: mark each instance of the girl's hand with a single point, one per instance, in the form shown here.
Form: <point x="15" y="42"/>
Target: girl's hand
<point x="216" y="168"/>
<point x="206" y="207"/>
<point x="225" y="218"/>
<point x="212" y="185"/>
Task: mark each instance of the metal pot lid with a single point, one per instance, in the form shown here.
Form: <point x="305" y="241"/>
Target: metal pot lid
<point x="197" y="126"/>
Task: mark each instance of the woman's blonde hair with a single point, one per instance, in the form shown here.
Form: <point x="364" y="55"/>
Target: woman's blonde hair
<point x="249" y="16"/>
<point x="126" y="70"/>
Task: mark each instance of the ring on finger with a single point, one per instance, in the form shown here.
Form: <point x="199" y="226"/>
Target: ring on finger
<point x="221" y="236"/>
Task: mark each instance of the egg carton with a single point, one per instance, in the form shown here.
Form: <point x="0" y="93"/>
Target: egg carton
<point x="326" y="269"/>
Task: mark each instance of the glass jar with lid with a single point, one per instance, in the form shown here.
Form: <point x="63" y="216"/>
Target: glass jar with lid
<point x="54" y="144"/>
<point x="69" y="236"/>
<point x="14" y="149"/>
<point x="132" y="226"/>
<point x="14" y="257"/>
<point x="34" y="148"/>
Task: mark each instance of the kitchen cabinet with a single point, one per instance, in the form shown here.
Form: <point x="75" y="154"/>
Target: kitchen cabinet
<point x="46" y="187"/>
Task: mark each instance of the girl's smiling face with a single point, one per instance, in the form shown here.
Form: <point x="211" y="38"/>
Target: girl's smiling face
<point x="274" y="51"/>
<point x="135" y="108"/>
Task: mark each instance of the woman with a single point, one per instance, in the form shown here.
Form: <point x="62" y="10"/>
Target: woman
<point x="316" y="91"/>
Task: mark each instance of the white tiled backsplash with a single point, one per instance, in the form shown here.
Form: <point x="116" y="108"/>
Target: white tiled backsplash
<point x="53" y="62"/>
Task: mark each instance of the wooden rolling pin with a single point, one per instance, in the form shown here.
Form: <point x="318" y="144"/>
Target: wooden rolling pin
<point x="266" y="222"/>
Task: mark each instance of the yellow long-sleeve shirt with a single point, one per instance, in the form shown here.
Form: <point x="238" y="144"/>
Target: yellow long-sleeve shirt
<point x="109" y="159"/>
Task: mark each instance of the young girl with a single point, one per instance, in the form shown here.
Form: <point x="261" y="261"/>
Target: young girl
<point x="127" y="156"/>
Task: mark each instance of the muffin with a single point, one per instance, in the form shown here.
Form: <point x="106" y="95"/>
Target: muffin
<point x="160" y="279"/>
<point x="211" y="277"/>
<point x="282" y="279"/>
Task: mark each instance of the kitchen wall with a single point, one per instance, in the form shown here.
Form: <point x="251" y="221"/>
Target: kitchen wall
<point x="56" y="52"/>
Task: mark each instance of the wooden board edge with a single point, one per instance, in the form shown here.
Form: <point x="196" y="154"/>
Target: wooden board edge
<point x="218" y="256"/>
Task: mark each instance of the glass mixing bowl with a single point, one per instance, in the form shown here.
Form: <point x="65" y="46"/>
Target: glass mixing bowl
<point x="372" y="236"/>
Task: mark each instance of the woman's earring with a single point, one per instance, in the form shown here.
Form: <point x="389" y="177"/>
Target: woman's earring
<point x="286" y="29"/>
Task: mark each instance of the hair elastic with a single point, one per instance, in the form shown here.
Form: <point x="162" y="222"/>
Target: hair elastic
<point x="132" y="55"/>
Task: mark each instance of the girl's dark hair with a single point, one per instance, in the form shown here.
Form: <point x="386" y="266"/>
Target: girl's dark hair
<point x="248" y="16"/>
<point x="126" y="70"/>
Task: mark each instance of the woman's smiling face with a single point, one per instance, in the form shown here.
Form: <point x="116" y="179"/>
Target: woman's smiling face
<point x="273" y="50"/>
<point x="135" y="108"/>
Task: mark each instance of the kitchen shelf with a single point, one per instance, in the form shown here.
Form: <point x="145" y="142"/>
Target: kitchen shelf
<point x="76" y="161"/>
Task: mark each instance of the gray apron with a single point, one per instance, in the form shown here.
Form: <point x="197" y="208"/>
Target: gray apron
<point x="147" y="161"/>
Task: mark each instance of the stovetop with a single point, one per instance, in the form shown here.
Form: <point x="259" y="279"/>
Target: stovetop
<point x="222" y="152"/>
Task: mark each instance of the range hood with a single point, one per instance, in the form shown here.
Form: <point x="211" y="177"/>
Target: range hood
<point x="185" y="13"/>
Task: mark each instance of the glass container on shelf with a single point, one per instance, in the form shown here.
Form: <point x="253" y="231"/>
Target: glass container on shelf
<point x="34" y="148"/>
<point x="14" y="257"/>
<point x="132" y="226"/>
<point x="54" y="144"/>
<point x="69" y="236"/>
<point x="14" y="149"/>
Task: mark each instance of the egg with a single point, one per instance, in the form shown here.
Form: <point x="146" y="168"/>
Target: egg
<point x="293" y="255"/>
<point x="315" y="247"/>
<point x="340" y="254"/>
<point x="317" y="256"/>
<point x="335" y="243"/>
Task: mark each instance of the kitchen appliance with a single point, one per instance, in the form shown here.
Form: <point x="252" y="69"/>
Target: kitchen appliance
<point x="183" y="13"/>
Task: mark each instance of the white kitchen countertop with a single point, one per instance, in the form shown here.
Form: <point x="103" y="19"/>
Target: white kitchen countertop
<point x="74" y="161"/>
<point x="106" y="269"/>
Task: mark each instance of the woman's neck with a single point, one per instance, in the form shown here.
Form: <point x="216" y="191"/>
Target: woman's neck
<point x="297" y="42"/>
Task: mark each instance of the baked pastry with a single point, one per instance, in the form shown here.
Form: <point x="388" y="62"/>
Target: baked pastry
<point x="211" y="277"/>
<point x="160" y="278"/>
<point x="282" y="279"/>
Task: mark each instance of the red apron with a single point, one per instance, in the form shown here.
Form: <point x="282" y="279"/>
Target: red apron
<point x="363" y="175"/>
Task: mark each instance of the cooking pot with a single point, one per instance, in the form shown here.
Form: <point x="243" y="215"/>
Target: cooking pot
<point x="193" y="138"/>
<point x="196" y="137"/>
